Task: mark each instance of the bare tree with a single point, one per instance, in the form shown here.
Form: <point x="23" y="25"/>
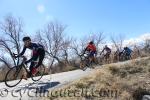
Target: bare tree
<point x="117" y="41"/>
<point x="53" y="37"/>
<point x="99" y="39"/>
<point x="11" y="28"/>
<point x="66" y="47"/>
<point x="147" y="46"/>
<point x="78" y="46"/>
<point x="118" y="44"/>
<point x="136" y="51"/>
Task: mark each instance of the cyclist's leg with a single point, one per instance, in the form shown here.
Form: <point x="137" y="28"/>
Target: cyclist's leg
<point x="41" y="57"/>
<point x="91" y="57"/>
<point x="120" y="56"/>
<point x="94" y="58"/>
<point x="105" y="58"/>
<point x="127" y="55"/>
<point x="35" y="57"/>
<point x="88" y="59"/>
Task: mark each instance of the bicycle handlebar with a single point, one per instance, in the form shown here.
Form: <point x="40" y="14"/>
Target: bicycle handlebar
<point x="24" y="58"/>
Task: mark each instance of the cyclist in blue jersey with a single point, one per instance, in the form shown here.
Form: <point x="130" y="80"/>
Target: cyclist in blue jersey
<point x="127" y="51"/>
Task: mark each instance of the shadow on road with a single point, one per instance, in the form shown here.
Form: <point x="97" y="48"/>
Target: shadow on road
<point x="38" y="87"/>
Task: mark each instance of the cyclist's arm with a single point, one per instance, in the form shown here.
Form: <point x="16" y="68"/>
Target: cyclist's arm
<point x="116" y="52"/>
<point x="29" y="60"/>
<point x="102" y="51"/>
<point x="84" y="50"/>
<point x="23" y="51"/>
<point x="123" y="50"/>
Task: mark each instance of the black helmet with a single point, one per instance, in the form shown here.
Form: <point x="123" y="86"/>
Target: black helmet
<point x="125" y="47"/>
<point x="91" y="42"/>
<point x="26" y="38"/>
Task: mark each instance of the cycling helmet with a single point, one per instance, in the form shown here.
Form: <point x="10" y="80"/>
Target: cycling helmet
<point x="26" y="38"/>
<point x="125" y="47"/>
<point x="91" y="42"/>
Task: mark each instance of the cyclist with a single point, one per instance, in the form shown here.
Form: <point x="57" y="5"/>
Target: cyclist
<point x="108" y="51"/>
<point x="91" y="48"/>
<point x="127" y="51"/>
<point x="37" y="52"/>
<point x="118" y="54"/>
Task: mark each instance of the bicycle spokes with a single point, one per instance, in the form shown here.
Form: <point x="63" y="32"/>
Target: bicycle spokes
<point x="40" y="72"/>
<point x="13" y="76"/>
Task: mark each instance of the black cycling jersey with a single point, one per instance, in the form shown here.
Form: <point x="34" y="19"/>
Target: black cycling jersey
<point x="33" y="46"/>
<point x="107" y="49"/>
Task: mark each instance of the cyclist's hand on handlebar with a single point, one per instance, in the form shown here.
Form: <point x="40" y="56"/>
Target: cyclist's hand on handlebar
<point x="15" y="55"/>
<point x="81" y="54"/>
<point x="26" y="62"/>
<point x="96" y="53"/>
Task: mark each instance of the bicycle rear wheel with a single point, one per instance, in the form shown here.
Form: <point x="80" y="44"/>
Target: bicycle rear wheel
<point x="91" y="65"/>
<point x="39" y="74"/>
<point x="14" y="76"/>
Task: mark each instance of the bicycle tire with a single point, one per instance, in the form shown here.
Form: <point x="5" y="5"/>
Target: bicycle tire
<point x="12" y="75"/>
<point x="83" y="65"/>
<point x="39" y="74"/>
<point x="91" y="65"/>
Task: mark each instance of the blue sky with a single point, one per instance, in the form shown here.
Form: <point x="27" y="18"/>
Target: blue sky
<point x="129" y="17"/>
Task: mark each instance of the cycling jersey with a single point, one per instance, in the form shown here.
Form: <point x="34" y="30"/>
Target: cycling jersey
<point x="38" y="52"/>
<point x="128" y="51"/>
<point x="107" y="49"/>
<point x="33" y="46"/>
<point x="91" y="48"/>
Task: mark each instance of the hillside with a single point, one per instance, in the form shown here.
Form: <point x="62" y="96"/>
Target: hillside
<point x="128" y="80"/>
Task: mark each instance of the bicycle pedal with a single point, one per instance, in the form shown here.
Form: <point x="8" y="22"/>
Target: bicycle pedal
<point x="93" y="67"/>
<point x="84" y="68"/>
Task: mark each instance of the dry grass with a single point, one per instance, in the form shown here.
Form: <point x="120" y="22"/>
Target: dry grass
<point x="129" y="81"/>
<point x="3" y="72"/>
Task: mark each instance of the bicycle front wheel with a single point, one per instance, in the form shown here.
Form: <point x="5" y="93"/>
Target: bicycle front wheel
<point x="39" y="74"/>
<point x="83" y="65"/>
<point x="13" y="76"/>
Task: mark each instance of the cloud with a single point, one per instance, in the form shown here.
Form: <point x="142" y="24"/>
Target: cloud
<point x="41" y="8"/>
<point x="137" y="40"/>
<point x="132" y="41"/>
<point x="145" y="36"/>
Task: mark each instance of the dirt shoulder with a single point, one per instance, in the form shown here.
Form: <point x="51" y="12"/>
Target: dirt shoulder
<point x="122" y="81"/>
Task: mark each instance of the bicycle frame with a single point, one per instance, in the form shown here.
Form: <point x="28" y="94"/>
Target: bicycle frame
<point x="85" y="61"/>
<point x="16" y="70"/>
<point x="23" y="65"/>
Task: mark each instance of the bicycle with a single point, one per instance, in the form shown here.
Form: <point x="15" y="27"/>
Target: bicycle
<point x="17" y="73"/>
<point x="124" y="56"/>
<point x="86" y="62"/>
<point x="105" y="58"/>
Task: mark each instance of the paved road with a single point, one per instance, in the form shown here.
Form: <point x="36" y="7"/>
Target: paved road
<point x="29" y="90"/>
